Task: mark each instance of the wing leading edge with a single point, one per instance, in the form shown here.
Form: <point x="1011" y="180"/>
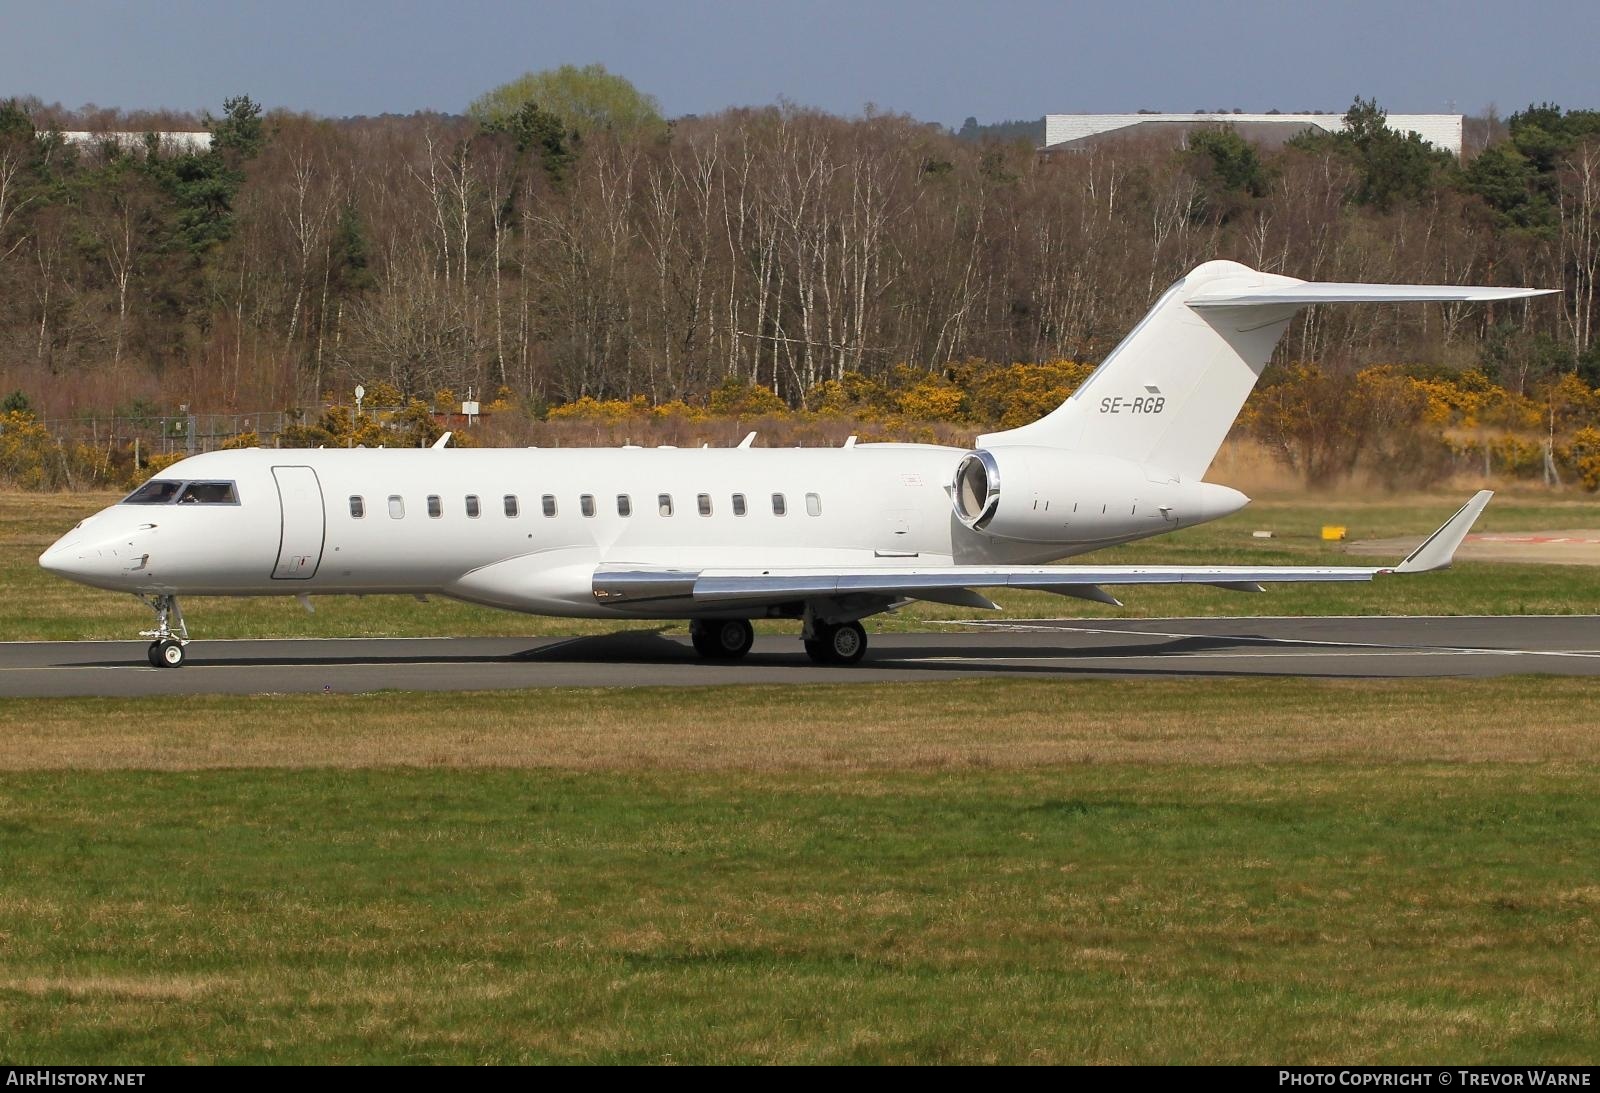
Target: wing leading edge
<point x="730" y="587"/>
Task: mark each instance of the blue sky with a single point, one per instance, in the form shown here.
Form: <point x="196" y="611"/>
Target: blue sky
<point x="936" y="60"/>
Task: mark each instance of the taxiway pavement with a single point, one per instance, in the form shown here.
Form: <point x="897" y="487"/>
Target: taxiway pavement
<point x="1333" y="647"/>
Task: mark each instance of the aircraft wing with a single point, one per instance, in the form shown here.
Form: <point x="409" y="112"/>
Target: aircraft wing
<point x="730" y="587"/>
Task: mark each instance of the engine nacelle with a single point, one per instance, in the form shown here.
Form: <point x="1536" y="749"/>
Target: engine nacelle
<point x="1048" y="495"/>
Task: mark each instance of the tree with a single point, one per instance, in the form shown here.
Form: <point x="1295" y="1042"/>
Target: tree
<point x="118" y="209"/>
<point x="1230" y="170"/>
<point x="584" y="99"/>
<point x="1390" y="166"/>
<point x="1505" y="179"/>
<point x="542" y="134"/>
<point x="203" y="185"/>
<point x="16" y="149"/>
<point x="1518" y="178"/>
<point x="240" y="132"/>
<point x="1233" y="160"/>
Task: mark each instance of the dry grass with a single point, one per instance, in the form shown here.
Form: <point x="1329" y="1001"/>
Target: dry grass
<point x="152" y="988"/>
<point x="959" y="725"/>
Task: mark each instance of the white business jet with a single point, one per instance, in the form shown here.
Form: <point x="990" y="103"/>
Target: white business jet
<point x="826" y="537"/>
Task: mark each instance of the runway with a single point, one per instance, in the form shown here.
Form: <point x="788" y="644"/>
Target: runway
<point x="1342" y="647"/>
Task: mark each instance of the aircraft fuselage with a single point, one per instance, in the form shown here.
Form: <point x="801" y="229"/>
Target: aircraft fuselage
<point x="525" y="529"/>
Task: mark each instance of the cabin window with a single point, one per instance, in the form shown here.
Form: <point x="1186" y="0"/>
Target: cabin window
<point x="511" y="506"/>
<point x="474" y="509"/>
<point x="738" y="504"/>
<point x="624" y="505"/>
<point x="209" y="493"/>
<point x="703" y="502"/>
<point x="813" y="504"/>
<point x="586" y="504"/>
<point x="779" y="505"/>
<point x="435" y="506"/>
<point x="397" y="506"/>
<point x="549" y="503"/>
<point x="153" y="493"/>
<point x="358" y="506"/>
<point x="664" y="504"/>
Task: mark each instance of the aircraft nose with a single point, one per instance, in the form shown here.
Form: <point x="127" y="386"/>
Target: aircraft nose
<point x="69" y="558"/>
<point x="104" y="561"/>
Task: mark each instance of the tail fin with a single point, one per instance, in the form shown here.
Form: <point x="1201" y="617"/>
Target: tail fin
<point x="1168" y="394"/>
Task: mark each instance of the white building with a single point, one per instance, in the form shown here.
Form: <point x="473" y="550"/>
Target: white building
<point x="1063" y="132"/>
<point x="180" y="141"/>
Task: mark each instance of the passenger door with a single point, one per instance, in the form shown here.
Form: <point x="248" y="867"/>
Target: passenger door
<point x="304" y="523"/>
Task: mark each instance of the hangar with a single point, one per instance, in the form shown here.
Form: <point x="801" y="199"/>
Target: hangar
<point x="1079" y="132"/>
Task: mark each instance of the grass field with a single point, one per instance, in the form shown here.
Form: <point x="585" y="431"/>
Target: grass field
<point x="1256" y="871"/>
<point x="1263" y="871"/>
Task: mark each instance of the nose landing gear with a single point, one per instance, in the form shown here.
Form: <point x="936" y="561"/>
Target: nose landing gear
<point x="167" y="650"/>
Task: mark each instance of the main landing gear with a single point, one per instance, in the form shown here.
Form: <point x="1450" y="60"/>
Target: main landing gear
<point x="167" y="650"/>
<point x="836" y="643"/>
<point x="722" y="639"/>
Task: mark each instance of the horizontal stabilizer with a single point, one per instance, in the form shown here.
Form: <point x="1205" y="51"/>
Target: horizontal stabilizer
<point x="1333" y="292"/>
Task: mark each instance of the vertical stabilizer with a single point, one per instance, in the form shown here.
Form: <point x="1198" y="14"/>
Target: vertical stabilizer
<point x="1168" y="394"/>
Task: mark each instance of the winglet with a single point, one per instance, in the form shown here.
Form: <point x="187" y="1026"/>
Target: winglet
<point x="1439" y="549"/>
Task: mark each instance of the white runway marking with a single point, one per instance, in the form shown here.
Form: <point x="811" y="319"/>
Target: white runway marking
<point x="1283" y="618"/>
<point x="1255" y="639"/>
<point x="1321" y="654"/>
<point x="80" y="668"/>
<point x="1324" y="647"/>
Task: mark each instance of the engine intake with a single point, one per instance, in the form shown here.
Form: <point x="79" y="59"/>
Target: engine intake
<point x="977" y="489"/>
<point x="1056" y="496"/>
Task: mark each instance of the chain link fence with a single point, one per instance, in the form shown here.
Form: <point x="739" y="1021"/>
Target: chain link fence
<point x="187" y="434"/>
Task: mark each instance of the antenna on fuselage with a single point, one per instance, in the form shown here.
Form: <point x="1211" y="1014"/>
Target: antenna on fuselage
<point x="442" y="441"/>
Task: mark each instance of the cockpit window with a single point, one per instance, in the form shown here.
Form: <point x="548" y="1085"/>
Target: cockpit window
<point x="209" y="493"/>
<point x="154" y="492"/>
<point x="162" y="492"/>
